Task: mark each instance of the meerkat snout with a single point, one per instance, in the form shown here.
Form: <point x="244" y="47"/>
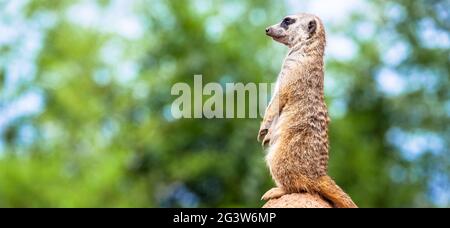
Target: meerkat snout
<point x="294" y="29"/>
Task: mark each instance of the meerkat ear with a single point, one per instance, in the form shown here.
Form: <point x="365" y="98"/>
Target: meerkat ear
<point x="312" y="26"/>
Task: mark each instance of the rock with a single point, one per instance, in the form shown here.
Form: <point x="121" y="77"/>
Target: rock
<point x="298" y="200"/>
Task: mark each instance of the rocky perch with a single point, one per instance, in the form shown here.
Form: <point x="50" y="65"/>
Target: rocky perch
<point x="298" y="200"/>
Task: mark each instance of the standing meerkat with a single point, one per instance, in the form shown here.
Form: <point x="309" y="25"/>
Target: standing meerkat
<point x="295" y="125"/>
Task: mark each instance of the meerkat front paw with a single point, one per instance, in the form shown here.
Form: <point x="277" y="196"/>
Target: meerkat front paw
<point x="262" y="134"/>
<point x="267" y="139"/>
<point x="273" y="193"/>
<point x="264" y="130"/>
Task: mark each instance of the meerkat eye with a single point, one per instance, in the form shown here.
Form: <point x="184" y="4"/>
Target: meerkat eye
<point x="286" y="22"/>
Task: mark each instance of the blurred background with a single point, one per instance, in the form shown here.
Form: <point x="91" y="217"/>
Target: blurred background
<point x="85" y="102"/>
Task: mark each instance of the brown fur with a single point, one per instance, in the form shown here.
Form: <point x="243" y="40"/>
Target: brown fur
<point x="295" y="126"/>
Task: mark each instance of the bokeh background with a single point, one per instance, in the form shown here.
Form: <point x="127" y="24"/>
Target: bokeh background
<point x="85" y="101"/>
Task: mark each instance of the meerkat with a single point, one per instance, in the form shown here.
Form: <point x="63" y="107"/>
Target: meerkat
<point x="295" y="125"/>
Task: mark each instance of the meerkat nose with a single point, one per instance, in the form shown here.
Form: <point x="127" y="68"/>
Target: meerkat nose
<point x="267" y="30"/>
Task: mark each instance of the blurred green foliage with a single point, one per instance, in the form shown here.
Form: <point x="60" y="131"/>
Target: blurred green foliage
<point x="103" y="135"/>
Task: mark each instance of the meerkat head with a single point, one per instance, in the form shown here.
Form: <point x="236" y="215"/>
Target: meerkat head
<point x="296" y="29"/>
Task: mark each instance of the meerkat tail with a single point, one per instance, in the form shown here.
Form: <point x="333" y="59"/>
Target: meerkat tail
<point x="332" y="192"/>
